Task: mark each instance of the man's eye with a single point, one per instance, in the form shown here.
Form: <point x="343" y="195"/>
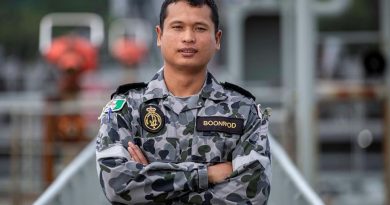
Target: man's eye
<point x="201" y="29"/>
<point x="177" y="27"/>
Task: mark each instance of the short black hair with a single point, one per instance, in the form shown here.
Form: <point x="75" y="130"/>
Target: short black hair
<point x="195" y="3"/>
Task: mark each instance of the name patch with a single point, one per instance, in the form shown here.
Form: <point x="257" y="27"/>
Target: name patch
<point x="220" y="124"/>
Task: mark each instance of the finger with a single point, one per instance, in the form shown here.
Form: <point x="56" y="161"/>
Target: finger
<point x="130" y="144"/>
<point x="130" y="149"/>
<point x="134" y="154"/>
<point x="140" y="155"/>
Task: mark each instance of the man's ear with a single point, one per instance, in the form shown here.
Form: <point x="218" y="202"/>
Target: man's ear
<point x="218" y="37"/>
<point x="159" y="34"/>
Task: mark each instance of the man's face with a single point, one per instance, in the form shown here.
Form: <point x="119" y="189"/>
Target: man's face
<point x="188" y="39"/>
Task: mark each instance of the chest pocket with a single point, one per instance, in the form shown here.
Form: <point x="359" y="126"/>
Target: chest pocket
<point x="213" y="147"/>
<point x="159" y="147"/>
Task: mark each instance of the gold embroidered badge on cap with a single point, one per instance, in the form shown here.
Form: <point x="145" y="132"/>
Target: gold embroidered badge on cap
<point x="152" y="118"/>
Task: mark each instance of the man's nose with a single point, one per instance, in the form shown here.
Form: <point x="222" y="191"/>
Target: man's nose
<point x="189" y="36"/>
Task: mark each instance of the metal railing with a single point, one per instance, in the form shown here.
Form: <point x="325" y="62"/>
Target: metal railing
<point x="23" y="143"/>
<point x="78" y="183"/>
<point x="288" y="186"/>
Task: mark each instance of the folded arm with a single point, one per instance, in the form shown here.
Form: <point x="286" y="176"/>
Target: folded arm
<point x="126" y="181"/>
<point x="250" y="180"/>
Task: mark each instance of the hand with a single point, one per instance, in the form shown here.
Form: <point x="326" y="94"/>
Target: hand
<point x="219" y="172"/>
<point x="136" y="154"/>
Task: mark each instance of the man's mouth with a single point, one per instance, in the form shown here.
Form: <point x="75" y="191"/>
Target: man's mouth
<point x="188" y="50"/>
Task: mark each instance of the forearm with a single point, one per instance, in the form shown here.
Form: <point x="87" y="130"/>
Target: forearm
<point x="127" y="181"/>
<point x="249" y="183"/>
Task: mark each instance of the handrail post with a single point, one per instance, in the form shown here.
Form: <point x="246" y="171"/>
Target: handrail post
<point x="304" y="116"/>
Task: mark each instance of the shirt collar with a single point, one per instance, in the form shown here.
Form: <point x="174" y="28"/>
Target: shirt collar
<point x="157" y="89"/>
<point x="212" y="89"/>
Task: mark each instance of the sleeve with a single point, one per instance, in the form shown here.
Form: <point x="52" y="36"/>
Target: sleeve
<point x="250" y="180"/>
<point x="126" y="182"/>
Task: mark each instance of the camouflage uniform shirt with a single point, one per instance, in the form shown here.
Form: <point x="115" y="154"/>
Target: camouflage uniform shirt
<point x="180" y="139"/>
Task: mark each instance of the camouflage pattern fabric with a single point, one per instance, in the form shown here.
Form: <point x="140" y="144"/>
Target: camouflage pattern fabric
<point x="179" y="147"/>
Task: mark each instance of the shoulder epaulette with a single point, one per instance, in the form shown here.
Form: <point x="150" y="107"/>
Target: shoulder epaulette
<point x="239" y="89"/>
<point x="126" y="87"/>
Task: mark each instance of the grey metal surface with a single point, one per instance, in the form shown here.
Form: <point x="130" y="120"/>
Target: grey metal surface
<point x="253" y="43"/>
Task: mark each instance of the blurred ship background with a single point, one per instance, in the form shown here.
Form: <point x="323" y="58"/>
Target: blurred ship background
<point x="321" y="65"/>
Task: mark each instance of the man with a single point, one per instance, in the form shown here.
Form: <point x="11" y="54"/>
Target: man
<point x="184" y="138"/>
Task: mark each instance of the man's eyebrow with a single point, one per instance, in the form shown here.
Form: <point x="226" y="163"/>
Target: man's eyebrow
<point x="202" y="24"/>
<point x="175" y="22"/>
